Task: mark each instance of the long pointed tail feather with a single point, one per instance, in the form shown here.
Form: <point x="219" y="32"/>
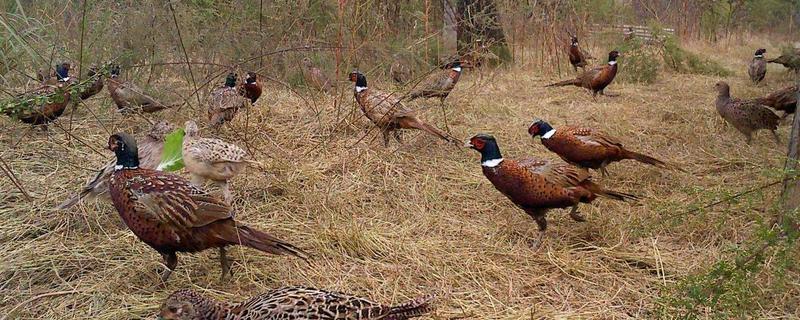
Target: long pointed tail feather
<point x="261" y="241"/>
<point x="570" y="82"/>
<point x="608" y="194"/>
<point x="412" y="309"/>
<point x="651" y="161"/>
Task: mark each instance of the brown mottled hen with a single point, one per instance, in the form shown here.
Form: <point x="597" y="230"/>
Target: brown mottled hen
<point x="388" y="113"/>
<point x="595" y="79"/>
<point x="316" y="77"/>
<point x="290" y="303"/>
<point x="438" y="84"/>
<point x="537" y="186"/>
<point x="251" y="87"/>
<point x="576" y="56"/>
<point x="758" y="67"/>
<point x="587" y="147"/>
<point x="745" y="116"/>
<point x="130" y="98"/>
<point x="784" y="100"/>
<point x="170" y="215"/>
<point x="212" y="159"/>
<point x="225" y="103"/>
<point x="399" y="70"/>
<point x="149" y="157"/>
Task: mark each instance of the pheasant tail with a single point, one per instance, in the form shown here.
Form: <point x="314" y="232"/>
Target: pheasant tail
<point x="411" y="309"/>
<point x="570" y="82"/>
<point x="647" y="159"/>
<point x="89" y="190"/>
<point x="609" y="194"/>
<point x="436" y="132"/>
<point x="261" y="241"/>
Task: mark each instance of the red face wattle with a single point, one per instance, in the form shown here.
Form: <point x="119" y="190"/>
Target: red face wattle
<point x="113" y="143"/>
<point x="533" y="129"/>
<point x="477" y="143"/>
<point x="353" y="76"/>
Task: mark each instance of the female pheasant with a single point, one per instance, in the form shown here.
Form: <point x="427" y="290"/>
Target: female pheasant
<point x="212" y="159"/>
<point x="225" y="103"/>
<point x="595" y="79"/>
<point x="586" y="147"/>
<point x="149" y="158"/>
<point x="745" y="116"/>
<point x="438" y="84"/>
<point x="316" y="77"/>
<point x="130" y="98"/>
<point x="537" y="186"/>
<point x="290" y="303"/>
<point x="388" y="113"/>
<point x="784" y="100"/>
<point x="170" y="215"/>
<point x="40" y="112"/>
<point x="251" y="88"/>
<point x="758" y="66"/>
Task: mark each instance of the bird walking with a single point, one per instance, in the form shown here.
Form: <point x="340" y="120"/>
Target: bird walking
<point x="536" y="186"/>
<point x="758" y="66"/>
<point x="225" y="103"/>
<point x="316" y="77"/>
<point x="170" y="215"/>
<point x="587" y="147"/>
<point x="790" y="60"/>
<point x="149" y="157"/>
<point x="212" y="159"/>
<point x="595" y="79"/>
<point x="388" y="113"/>
<point x="290" y="303"/>
<point x="129" y="97"/>
<point x="746" y="116"/>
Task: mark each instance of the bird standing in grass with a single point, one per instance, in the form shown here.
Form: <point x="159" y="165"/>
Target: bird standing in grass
<point x="595" y="79"/>
<point x="576" y="56"/>
<point x="399" y="70"/>
<point x="745" y="116"/>
<point x="47" y="102"/>
<point x="170" y="215"/>
<point x="438" y="84"/>
<point x="130" y="98"/>
<point x="388" y="113"/>
<point x="290" y="303"/>
<point x="537" y="186"/>
<point x="784" y="100"/>
<point x="149" y="158"/>
<point x="96" y="86"/>
<point x="586" y="147"/>
<point x="758" y="66"/>
<point x="316" y="77"/>
<point x="251" y="87"/>
<point x="790" y="60"/>
<point x="225" y="103"/>
<point x="212" y="159"/>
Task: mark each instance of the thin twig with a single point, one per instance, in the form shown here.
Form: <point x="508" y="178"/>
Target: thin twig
<point x="11" y="176"/>
<point x="185" y="54"/>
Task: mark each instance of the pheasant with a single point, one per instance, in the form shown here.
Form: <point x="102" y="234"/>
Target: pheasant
<point x="784" y="100"/>
<point x="595" y="79"/>
<point x="96" y="86"/>
<point x="128" y="97"/>
<point x="790" y="60"/>
<point x="225" y="103"/>
<point x="586" y="147"/>
<point x="399" y="70"/>
<point x="170" y="215"/>
<point x="745" y="116"/>
<point x="537" y="186"/>
<point x="316" y="77"/>
<point x="388" y="113"/>
<point x="40" y="112"/>
<point x="758" y="67"/>
<point x="251" y="88"/>
<point x="149" y="157"/>
<point x="290" y="303"/>
<point x="576" y="56"/>
<point x="212" y="159"/>
<point x="438" y="84"/>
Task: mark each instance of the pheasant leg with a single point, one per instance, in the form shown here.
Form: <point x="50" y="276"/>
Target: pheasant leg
<point x="171" y="261"/>
<point x="775" y="135"/>
<point x="225" y="263"/>
<point x="541" y="222"/>
<point x="575" y="215"/>
<point x="444" y="114"/>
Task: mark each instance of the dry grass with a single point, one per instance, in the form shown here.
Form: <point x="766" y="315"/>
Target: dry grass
<point x="395" y="223"/>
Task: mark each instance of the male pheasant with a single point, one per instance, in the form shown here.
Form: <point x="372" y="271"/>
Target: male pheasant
<point x="595" y="79"/>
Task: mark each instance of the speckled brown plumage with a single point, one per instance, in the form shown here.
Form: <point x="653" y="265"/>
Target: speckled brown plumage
<point x="587" y="147"/>
<point x="225" y="103"/>
<point x="745" y="116"/>
<point x="790" y="60"/>
<point x="130" y="98"/>
<point x="315" y="77"/>
<point x="290" y="303"/>
<point x="758" y="66"/>
<point x="438" y="84"/>
<point x="784" y="99"/>
<point x="388" y="113"/>
<point x="251" y="87"/>
<point x="399" y="70"/>
<point x="595" y="79"/>
<point x="537" y="186"/>
<point x="170" y="215"/>
<point x="149" y="157"/>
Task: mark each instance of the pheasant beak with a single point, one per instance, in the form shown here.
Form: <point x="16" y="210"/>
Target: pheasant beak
<point x="469" y="144"/>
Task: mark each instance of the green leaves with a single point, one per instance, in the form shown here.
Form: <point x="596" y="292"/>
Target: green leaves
<point x="171" y="155"/>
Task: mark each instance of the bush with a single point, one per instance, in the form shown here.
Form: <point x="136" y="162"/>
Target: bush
<point x="640" y="64"/>
<point x="680" y="60"/>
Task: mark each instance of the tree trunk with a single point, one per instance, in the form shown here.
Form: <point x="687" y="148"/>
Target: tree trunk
<point x="480" y="20"/>
<point x="449" y="28"/>
<point x="791" y="186"/>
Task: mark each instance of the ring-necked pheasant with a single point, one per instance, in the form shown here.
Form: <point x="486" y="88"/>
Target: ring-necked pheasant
<point x="225" y="103"/>
<point x="40" y="112"/>
<point x="576" y="56"/>
<point x="438" y="84"/>
<point x="251" y="87"/>
<point x="96" y="86"/>
<point x="170" y="215"/>
<point x="784" y="100"/>
<point x="290" y="303"/>
<point x="745" y="116"/>
<point x="586" y="147"/>
<point x="758" y="66"/>
<point x="212" y="159"/>
<point x="388" y="113"/>
<point x="149" y="157"/>
<point x="537" y="186"/>
<point x="595" y="79"/>
<point x="790" y="60"/>
<point x="316" y="77"/>
<point x="130" y="98"/>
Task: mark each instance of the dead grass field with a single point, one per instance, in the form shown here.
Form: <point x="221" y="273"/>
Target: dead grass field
<point x="398" y="222"/>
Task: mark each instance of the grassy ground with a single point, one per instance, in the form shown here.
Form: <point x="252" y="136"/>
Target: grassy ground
<point x="398" y="222"/>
